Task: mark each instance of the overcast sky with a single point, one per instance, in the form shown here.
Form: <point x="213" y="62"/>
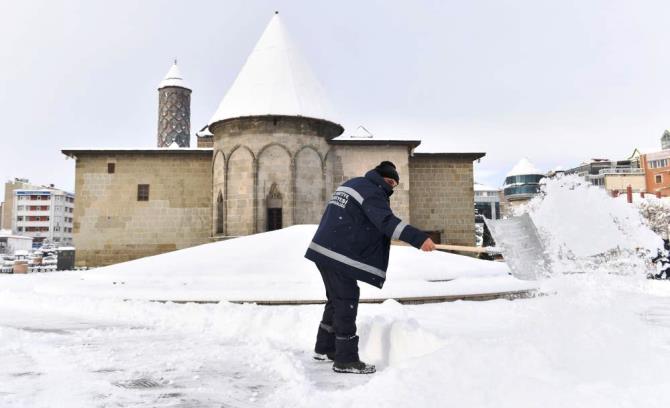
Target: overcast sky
<point x="555" y="81"/>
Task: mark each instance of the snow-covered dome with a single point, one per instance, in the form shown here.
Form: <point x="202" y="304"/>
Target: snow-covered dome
<point x="275" y="80"/>
<point x="524" y="167"/>
<point x="173" y="78"/>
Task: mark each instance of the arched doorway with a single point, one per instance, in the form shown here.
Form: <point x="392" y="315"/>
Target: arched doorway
<point x="274" y="210"/>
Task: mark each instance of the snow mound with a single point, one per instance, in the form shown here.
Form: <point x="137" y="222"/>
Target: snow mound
<point x="271" y="266"/>
<point x="389" y="339"/>
<point x="583" y="227"/>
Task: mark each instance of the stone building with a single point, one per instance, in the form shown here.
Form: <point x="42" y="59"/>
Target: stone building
<point x="270" y="157"/>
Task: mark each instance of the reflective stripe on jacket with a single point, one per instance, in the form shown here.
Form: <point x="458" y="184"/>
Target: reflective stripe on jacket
<point x="356" y="230"/>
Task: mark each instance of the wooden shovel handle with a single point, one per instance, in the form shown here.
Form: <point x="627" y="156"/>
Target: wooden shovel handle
<point x="458" y="248"/>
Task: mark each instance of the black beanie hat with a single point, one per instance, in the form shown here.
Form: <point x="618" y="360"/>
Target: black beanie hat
<point x="387" y="169"/>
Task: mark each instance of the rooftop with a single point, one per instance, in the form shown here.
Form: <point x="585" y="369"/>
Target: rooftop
<point x="275" y="80"/>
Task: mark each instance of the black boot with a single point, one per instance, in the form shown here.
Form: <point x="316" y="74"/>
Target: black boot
<point x="323" y="357"/>
<point x="356" y="367"/>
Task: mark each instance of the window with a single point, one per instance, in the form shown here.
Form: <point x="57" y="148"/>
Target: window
<point x="19" y="229"/>
<point x="111" y="168"/>
<point x="219" y="214"/>
<point x="142" y="192"/>
<point x="655" y="164"/>
<point x="19" y="218"/>
<point x="21" y="207"/>
<point x="659" y="179"/>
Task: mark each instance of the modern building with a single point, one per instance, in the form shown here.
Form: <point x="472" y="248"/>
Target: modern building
<point x="487" y="201"/>
<point x="46" y="215"/>
<point x="522" y="182"/>
<point x="8" y="204"/>
<point x="270" y="157"/>
<point x="612" y="175"/>
<point x="656" y="168"/>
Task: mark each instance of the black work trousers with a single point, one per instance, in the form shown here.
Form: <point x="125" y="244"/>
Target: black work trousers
<point x="337" y="330"/>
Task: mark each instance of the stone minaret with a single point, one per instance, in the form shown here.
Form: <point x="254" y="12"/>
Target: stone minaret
<point x="174" y="110"/>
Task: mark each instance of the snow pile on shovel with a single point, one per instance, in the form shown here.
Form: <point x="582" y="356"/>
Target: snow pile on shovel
<point x="585" y="229"/>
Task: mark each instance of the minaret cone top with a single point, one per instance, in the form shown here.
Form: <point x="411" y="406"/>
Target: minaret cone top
<point x="275" y="80"/>
<point x="173" y="78"/>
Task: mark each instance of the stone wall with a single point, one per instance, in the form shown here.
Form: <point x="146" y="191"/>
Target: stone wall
<point x="442" y="196"/>
<point x="111" y="225"/>
<point x="262" y="151"/>
<point x="345" y="162"/>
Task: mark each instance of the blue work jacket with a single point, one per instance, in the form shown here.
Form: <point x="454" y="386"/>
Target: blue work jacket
<point x="355" y="232"/>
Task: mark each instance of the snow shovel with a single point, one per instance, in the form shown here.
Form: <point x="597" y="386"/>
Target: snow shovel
<point x="520" y="244"/>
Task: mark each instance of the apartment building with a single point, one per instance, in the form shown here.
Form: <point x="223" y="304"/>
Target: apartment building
<point x="45" y="214"/>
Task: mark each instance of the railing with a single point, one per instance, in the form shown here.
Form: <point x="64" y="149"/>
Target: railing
<point x="625" y="170"/>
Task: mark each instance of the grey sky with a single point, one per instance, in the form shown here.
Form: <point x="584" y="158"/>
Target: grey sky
<point x="555" y="81"/>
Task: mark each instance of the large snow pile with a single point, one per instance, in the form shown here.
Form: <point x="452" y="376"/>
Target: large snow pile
<point x="271" y="266"/>
<point x="656" y="211"/>
<point x="585" y="229"/>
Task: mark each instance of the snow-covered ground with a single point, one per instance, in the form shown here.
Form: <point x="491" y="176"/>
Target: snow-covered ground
<point x="600" y="337"/>
<point x="269" y="266"/>
<point x="596" y="341"/>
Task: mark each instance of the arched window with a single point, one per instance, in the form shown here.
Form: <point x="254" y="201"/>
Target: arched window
<point x="219" y="214"/>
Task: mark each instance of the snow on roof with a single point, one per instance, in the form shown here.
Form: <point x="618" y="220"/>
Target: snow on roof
<point x="173" y="78"/>
<point x="362" y="132"/>
<point x="204" y="132"/>
<point x="130" y="149"/>
<point x="275" y="80"/>
<point x="8" y="234"/>
<point x="484" y="187"/>
<point x="364" y="136"/>
<point x="658" y="155"/>
<point x="523" y="167"/>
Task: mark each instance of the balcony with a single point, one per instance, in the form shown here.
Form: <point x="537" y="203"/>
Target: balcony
<point x="621" y="170"/>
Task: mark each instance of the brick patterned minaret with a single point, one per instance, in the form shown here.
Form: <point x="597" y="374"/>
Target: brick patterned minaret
<point x="174" y="110"/>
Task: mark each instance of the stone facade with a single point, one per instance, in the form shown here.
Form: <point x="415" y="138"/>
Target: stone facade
<point x="112" y="226"/>
<point x="253" y="154"/>
<point x="442" y="195"/>
<point x="346" y="161"/>
<point x="258" y="164"/>
<point x="205" y="141"/>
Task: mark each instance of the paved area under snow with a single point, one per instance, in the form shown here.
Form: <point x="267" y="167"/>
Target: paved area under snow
<point x="598" y="341"/>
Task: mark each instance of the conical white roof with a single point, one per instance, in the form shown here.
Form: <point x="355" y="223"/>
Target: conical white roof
<point x="275" y="80"/>
<point x="523" y="167"/>
<point x="173" y="78"/>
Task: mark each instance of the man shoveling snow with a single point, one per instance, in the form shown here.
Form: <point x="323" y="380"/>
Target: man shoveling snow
<point x="353" y="243"/>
